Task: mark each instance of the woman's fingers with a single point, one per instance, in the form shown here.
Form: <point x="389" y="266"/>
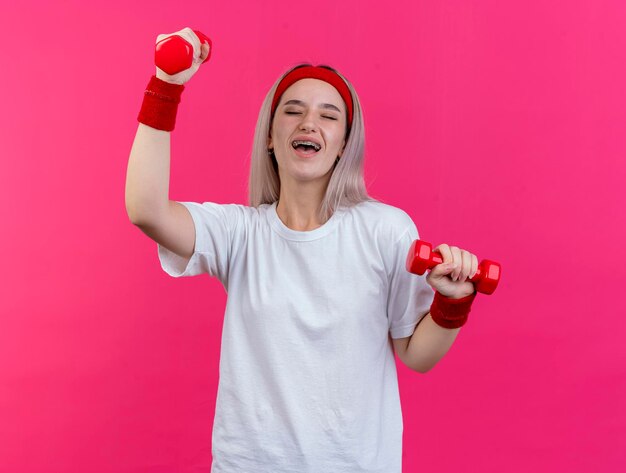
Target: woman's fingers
<point x="466" y="262"/>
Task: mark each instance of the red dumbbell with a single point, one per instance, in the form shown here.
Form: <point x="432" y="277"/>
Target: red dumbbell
<point x="422" y="257"/>
<point x="174" y="54"/>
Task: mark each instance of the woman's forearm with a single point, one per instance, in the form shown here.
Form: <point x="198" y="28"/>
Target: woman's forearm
<point x="148" y="174"/>
<point x="428" y="344"/>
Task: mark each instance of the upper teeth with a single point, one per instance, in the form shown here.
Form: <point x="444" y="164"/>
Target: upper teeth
<point x="296" y="143"/>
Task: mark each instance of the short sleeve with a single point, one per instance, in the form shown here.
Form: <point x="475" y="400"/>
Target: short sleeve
<point x="214" y="226"/>
<point x="410" y="296"/>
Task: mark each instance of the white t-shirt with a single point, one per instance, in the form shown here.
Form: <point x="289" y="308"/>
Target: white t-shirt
<point x="307" y="375"/>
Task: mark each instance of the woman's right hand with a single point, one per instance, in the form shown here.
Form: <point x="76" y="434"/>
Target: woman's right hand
<point x="200" y="53"/>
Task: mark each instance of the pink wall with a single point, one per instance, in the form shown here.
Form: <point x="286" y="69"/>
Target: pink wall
<point x="508" y="117"/>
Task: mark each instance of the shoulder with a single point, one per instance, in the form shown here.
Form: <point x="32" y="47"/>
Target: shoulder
<point x="232" y="210"/>
<point x="234" y="217"/>
<point x="379" y="216"/>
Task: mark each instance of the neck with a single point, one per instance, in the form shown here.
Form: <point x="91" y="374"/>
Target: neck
<point x="300" y="210"/>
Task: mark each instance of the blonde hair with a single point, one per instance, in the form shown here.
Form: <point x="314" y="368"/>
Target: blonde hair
<point x="346" y="187"/>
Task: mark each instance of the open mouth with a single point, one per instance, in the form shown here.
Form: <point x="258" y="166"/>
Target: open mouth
<point x="306" y="148"/>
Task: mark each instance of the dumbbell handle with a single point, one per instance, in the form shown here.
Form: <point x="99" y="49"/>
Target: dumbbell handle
<point x="174" y="54"/>
<point x="421" y="257"/>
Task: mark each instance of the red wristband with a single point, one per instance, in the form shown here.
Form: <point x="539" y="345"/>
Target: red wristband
<point x="451" y="313"/>
<point x="160" y="104"/>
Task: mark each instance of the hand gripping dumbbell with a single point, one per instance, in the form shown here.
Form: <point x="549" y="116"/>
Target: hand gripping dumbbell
<point x="422" y="257"/>
<point x="174" y="54"/>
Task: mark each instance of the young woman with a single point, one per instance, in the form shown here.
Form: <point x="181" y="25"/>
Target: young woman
<point x="318" y="294"/>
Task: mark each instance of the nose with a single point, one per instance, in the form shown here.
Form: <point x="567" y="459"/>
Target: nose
<point x="308" y="122"/>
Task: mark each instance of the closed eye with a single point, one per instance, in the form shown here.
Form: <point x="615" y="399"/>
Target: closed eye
<point x="323" y="116"/>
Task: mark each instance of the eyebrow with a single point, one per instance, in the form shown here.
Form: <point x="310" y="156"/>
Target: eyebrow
<point x="329" y="106"/>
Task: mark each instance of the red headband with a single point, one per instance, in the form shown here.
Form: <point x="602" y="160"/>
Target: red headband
<point x="315" y="72"/>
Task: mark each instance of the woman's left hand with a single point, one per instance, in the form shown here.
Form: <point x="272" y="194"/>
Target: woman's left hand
<point x="450" y="277"/>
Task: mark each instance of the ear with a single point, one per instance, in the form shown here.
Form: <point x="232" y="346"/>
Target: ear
<point x="343" y="146"/>
<point x="270" y="144"/>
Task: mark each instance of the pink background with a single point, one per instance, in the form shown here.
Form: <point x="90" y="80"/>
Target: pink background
<point x="498" y="126"/>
